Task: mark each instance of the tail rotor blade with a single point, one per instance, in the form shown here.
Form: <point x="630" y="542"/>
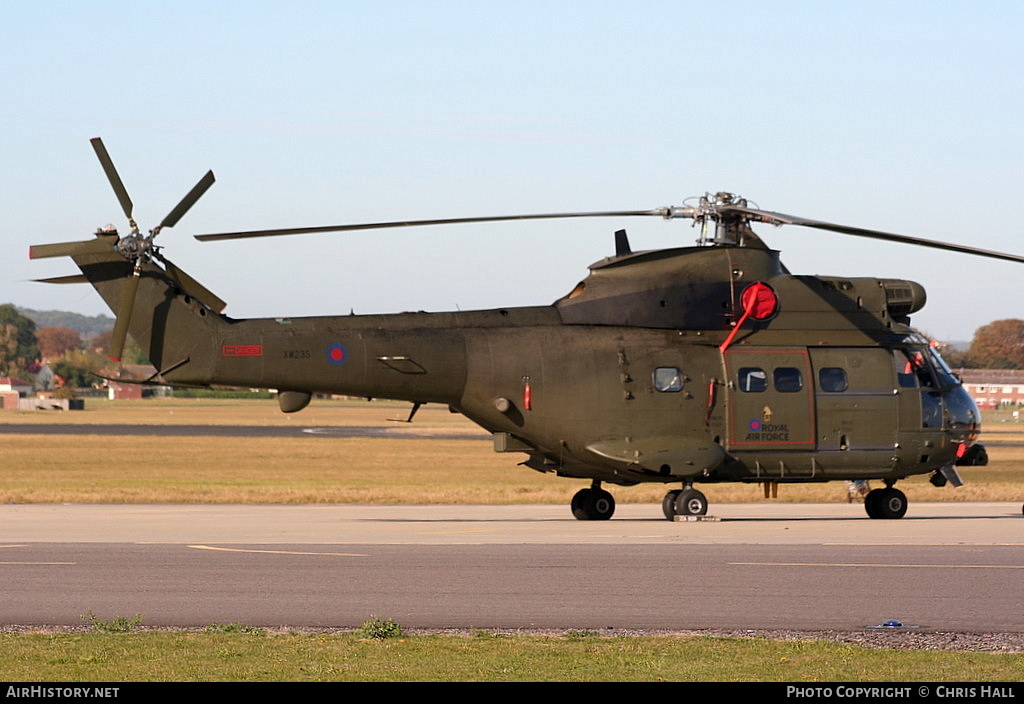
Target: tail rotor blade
<point x="188" y="201"/>
<point x="115" y="181"/>
<point x="124" y="314"/>
<point x="193" y="287"/>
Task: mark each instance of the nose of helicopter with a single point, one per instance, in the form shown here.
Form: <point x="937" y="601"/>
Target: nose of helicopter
<point x="963" y="420"/>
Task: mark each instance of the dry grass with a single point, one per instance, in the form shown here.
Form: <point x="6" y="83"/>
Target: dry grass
<point x="198" y="411"/>
<point x="323" y="469"/>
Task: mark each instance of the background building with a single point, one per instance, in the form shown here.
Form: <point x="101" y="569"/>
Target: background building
<point x="994" y="388"/>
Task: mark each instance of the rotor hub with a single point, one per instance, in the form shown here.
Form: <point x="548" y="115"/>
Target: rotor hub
<point x="136" y="248"/>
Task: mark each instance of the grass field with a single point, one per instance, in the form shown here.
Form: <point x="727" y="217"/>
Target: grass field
<point x="325" y="469"/>
<point x="218" y="656"/>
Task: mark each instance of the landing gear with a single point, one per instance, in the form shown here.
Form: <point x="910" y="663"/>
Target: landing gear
<point x="668" y="504"/>
<point x="593" y="504"/>
<point x="684" y="502"/>
<point x="885" y="503"/>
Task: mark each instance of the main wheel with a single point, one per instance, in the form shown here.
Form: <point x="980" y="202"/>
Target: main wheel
<point x="885" y="503"/>
<point x="593" y="505"/>
<point x="691" y="502"/>
<point x="668" y="504"/>
<point x="578" y="504"/>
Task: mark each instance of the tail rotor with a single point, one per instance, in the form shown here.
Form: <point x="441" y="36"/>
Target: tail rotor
<point x="137" y="248"/>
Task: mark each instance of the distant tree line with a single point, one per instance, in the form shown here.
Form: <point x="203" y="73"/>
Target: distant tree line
<point x="998" y="345"/>
<point x="71" y="356"/>
<point x="88" y="326"/>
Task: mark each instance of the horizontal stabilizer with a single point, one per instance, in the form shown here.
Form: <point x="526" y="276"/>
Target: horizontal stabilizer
<point x="70" y="249"/>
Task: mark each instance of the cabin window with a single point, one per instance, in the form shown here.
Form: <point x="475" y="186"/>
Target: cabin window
<point x="833" y="379"/>
<point x="753" y="379"/>
<point x="788" y="379"/>
<point x="668" y="379"/>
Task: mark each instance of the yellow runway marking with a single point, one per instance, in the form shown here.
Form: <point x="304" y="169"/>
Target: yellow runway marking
<point x="279" y="552"/>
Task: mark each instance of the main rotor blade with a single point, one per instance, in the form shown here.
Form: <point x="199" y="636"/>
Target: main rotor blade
<point x="188" y="201"/>
<point x="670" y="212"/>
<point x="783" y="219"/>
<point x="108" y="167"/>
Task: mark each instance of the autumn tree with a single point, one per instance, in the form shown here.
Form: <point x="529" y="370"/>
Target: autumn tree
<point x="76" y="369"/>
<point x="132" y="353"/>
<point x="998" y="345"/>
<point x="55" y="341"/>
<point x="18" y="350"/>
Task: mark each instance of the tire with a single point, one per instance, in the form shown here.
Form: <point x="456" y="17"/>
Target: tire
<point x="691" y="502"/>
<point x="593" y="505"/>
<point x="668" y="504"/>
<point x="600" y="505"/>
<point x="888" y="504"/>
<point x="870" y="502"/>
<point x="579" y="502"/>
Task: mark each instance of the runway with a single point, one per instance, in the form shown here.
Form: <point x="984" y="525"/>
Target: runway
<point x="944" y="567"/>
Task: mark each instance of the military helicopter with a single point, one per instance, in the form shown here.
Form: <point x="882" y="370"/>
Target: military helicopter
<point x="683" y="366"/>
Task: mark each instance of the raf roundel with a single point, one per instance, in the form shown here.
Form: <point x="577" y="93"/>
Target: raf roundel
<point x="337" y="354"/>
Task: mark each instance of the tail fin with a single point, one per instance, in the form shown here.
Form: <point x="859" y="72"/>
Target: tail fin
<point x="141" y="293"/>
<point x="167" y="312"/>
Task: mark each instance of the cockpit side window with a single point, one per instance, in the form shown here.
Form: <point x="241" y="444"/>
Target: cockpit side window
<point x="946" y="376"/>
<point x="912" y="369"/>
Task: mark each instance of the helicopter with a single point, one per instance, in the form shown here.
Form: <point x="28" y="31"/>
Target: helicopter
<point x="683" y="366"/>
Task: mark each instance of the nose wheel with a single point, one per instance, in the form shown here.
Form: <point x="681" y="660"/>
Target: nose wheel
<point x="593" y="504"/>
<point x="885" y="503"/>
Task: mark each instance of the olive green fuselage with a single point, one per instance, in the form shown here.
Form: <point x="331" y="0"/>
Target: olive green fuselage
<point x="632" y="377"/>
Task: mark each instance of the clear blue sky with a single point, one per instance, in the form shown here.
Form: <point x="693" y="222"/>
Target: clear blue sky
<point x="900" y="116"/>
